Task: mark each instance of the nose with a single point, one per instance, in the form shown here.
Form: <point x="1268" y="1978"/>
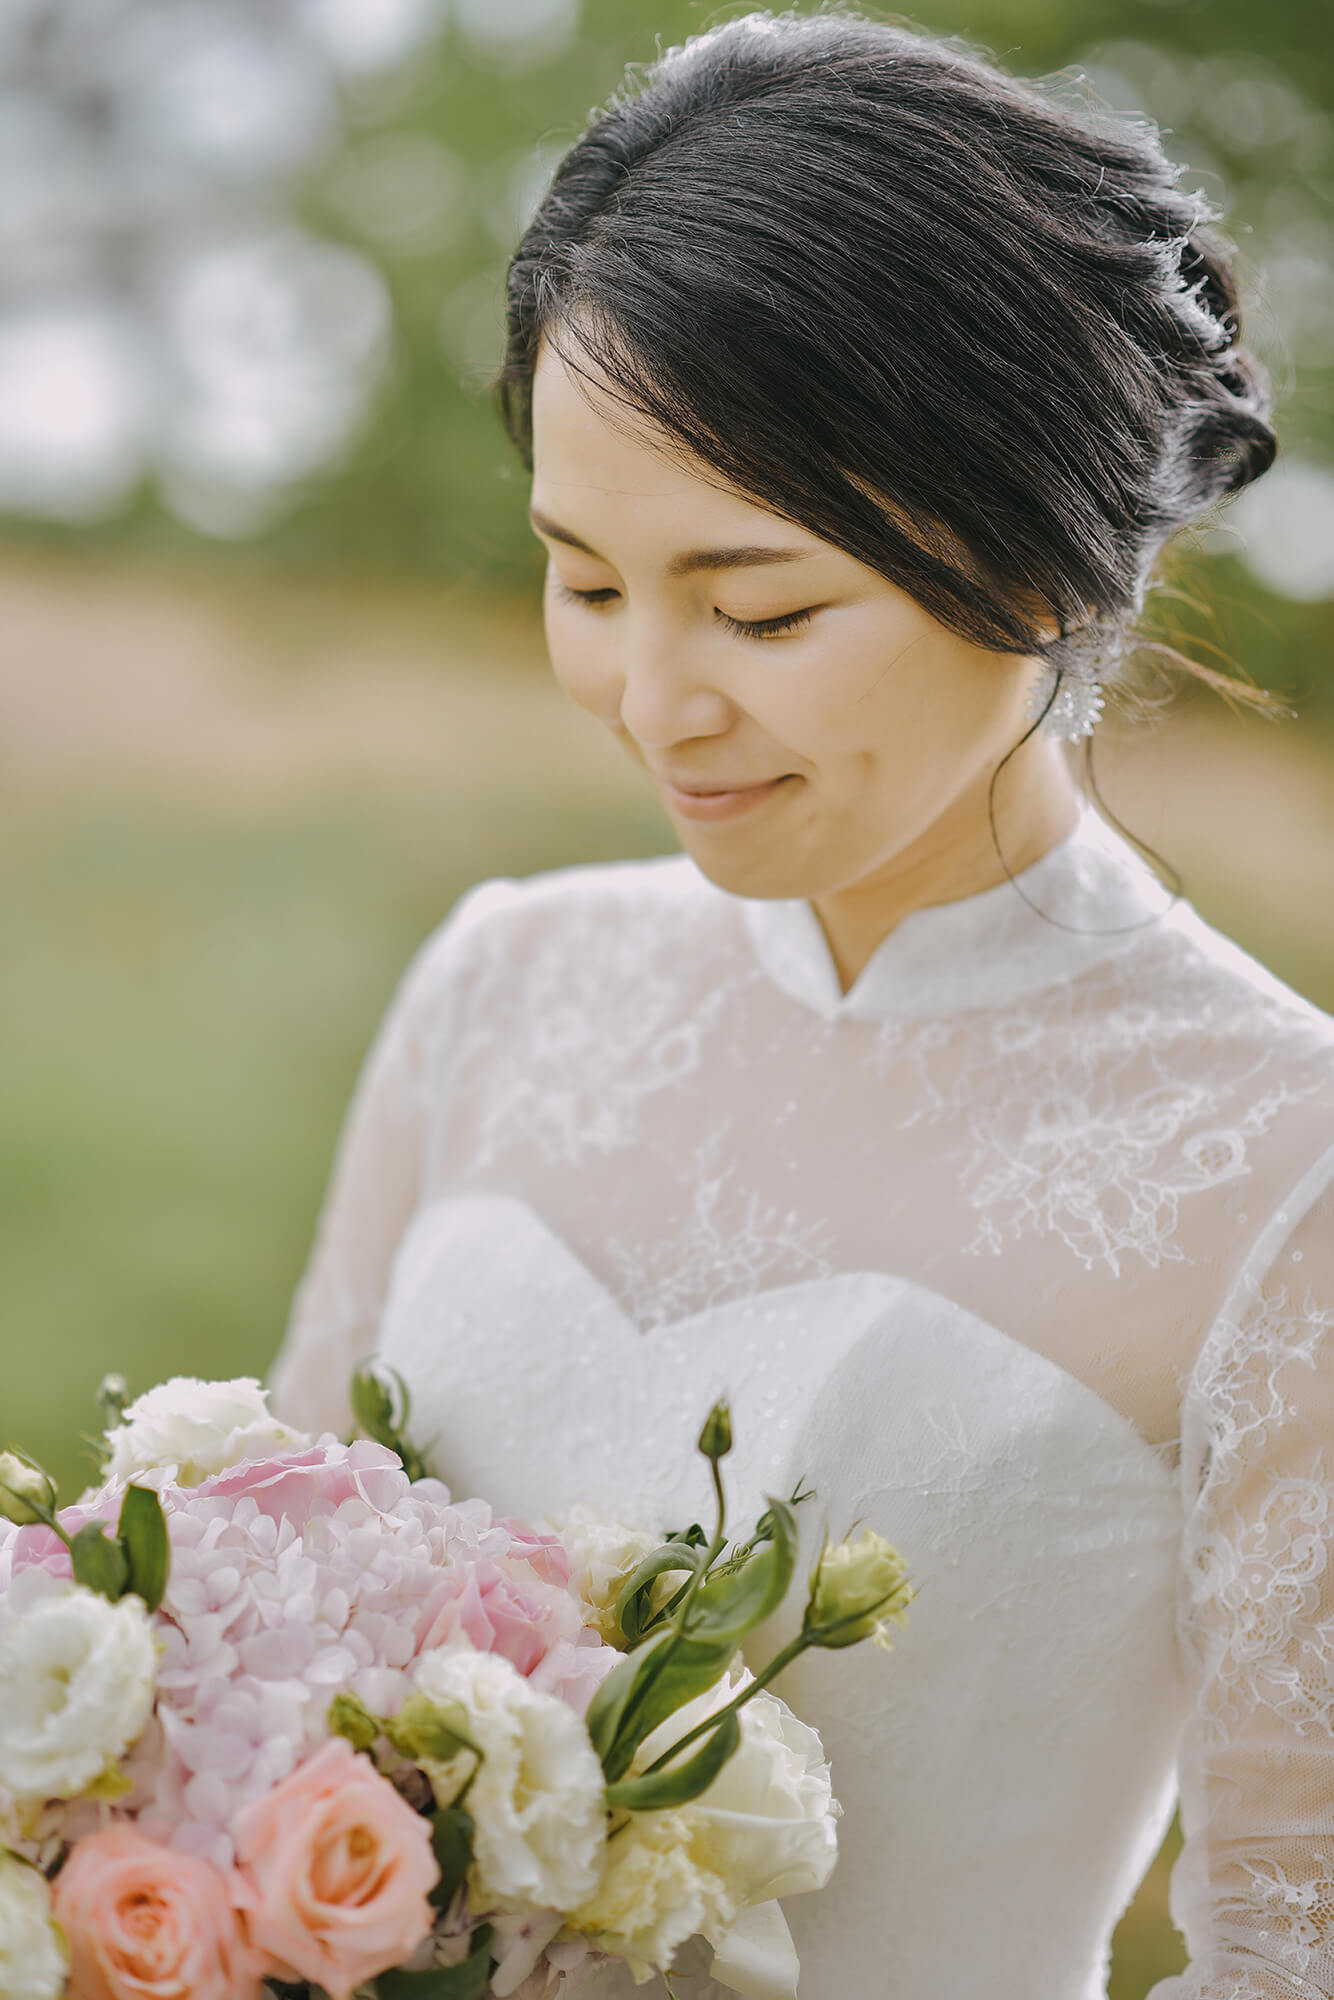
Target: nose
<point x="665" y="699"/>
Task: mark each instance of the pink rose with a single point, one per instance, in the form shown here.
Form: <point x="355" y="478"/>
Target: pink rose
<point x="574" y="1670"/>
<point x="546" y="1553"/>
<point x="300" y="1484"/>
<point x="144" y="1921"/>
<point x="498" y="1614"/>
<point x="333" y="1871"/>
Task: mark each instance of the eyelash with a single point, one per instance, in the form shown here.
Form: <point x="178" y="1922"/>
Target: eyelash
<point x="758" y="628"/>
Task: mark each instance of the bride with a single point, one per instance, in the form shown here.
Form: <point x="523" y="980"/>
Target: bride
<point x="862" y="386"/>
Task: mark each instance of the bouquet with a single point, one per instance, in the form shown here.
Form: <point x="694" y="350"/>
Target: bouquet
<point x="279" y="1716"/>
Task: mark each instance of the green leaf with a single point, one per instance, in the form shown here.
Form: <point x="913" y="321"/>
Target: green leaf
<point x="691" y="1670"/>
<point x="143" y="1538"/>
<point x="430" y="1732"/>
<point x="465" y="1981"/>
<point x="630" y="1612"/>
<point x="676" y="1784"/>
<point x="451" y="1837"/>
<point x="99" y="1562"/>
<point x="665" y="1671"/>
<point x="606" y="1712"/>
<point x="727" y="1607"/>
<point x="663" y="1675"/>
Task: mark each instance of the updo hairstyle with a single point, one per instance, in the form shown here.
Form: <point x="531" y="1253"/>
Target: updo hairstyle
<point x="978" y="340"/>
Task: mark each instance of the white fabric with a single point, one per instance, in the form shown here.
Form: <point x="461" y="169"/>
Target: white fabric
<point x="1021" y="1251"/>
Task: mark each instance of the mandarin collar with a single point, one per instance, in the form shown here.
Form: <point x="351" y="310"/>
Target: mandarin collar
<point x="1095" y="896"/>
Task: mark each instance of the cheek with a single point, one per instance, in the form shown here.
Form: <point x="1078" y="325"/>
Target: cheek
<point x="847" y="704"/>
<point x="582" y="662"/>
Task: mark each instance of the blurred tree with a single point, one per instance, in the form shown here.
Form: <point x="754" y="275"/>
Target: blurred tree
<point x="255" y="257"/>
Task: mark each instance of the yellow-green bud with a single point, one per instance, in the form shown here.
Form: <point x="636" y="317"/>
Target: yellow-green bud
<point x="350" y="1717"/>
<point x="715" y="1440"/>
<point x="434" y="1736"/>
<point x="856" y="1588"/>
<point x="376" y="1402"/>
<point x="113" y="1393"/>
<point x="429" y="1731"/>
<point x="26" y="1493"/>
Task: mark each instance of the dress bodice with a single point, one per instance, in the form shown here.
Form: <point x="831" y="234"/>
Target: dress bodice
<point x="1020" y="1251"/>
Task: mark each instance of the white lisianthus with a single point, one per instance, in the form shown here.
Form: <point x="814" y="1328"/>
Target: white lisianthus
<point x="766" y="1823"/>
<point x="76" y="1685"/>
<point x="34" y="1960"/>
<point x="538" y="1800"/>
<point x="655" y="1893"/>
<point x="603" y="1551"/>
<point x="764" y="1828"/>
<point x="192" y="1429"/>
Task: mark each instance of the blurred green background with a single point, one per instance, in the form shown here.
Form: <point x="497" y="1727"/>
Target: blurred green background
<point x="272" y="689"/>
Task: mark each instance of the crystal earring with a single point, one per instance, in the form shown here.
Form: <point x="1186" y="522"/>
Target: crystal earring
<point x="1074" y="713"/>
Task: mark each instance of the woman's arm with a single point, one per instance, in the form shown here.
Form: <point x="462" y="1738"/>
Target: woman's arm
<point x="1253" y="1889"/>
<point x="377" y="1180"/>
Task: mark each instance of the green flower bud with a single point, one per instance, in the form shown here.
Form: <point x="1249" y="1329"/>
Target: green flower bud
<point x="113" y="1393"/>
<point x="429" y="1732"/>
<point x="715" y="1440"/>
<point x="856" y="1588"/>
<point x="26" y="1492"/>
<point x="350" y="1717"/>
<point x="433" y="1735"/>
<point x="374" y="1405"/>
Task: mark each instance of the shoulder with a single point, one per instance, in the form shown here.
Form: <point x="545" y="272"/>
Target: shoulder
<point x="1247" y="1061"/>
<point x="1214" y="989"/>
<point x="505" y="920"/>
<point x="1199" y="1063"/>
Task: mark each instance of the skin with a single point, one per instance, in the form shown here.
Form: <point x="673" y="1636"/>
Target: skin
<point x="887" y="725"/>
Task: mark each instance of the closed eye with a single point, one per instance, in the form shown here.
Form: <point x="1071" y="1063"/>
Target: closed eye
<point x="745" y="628"/>
<point x="765" y="628"/>
<point x="593" y="597"/>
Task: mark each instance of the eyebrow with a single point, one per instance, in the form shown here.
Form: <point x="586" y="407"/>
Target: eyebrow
<point x="689" y="560"/>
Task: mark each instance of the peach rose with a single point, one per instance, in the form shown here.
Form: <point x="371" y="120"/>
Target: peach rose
<point x="333" y="1870"/>
<point x="142" y="1920"/>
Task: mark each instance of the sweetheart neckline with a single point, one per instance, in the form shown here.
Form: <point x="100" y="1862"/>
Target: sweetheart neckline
<point x="1167" y="1469"/>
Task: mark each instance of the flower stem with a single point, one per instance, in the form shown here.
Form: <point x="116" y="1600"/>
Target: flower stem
<point x="715" y="1549"/>
<point x="44" y="1514"/>
<point x="776" y="1665"/>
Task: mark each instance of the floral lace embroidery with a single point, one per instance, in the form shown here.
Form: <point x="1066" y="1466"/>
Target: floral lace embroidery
<point x="1257" y="1628"/>
<point x="1061" y="1142"/>
<point x="1303" y="1907"/>
<point x="1264" y="1577"/>
<point x="729" y="1244"/>
<point x="587" y="1068"/>
<point x="1085" y="1113"/>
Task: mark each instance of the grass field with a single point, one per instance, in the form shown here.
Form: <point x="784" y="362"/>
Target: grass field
<point x="226" y="821"/>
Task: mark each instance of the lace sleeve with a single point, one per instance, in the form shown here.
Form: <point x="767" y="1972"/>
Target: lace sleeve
<point x="1253" y="1889"/>
<point x="374" y="1186"/>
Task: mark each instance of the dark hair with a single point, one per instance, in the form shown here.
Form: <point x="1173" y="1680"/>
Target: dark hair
<point x="976" y="339"/>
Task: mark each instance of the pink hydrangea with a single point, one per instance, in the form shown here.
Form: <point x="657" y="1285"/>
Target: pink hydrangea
<point x="296" y="1578"/>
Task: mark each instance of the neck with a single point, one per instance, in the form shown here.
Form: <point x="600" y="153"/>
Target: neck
<point x="955" y="856"/>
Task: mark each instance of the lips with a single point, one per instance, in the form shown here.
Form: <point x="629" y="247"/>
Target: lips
<point x="716" y="791"/>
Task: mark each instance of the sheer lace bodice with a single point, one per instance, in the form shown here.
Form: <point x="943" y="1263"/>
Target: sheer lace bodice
<point x="1022" y="1249"/>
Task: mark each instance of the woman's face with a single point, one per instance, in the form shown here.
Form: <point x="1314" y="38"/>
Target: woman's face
<point x="731" y="651"/>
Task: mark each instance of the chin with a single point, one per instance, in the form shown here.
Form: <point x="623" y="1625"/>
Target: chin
<point x="758" y="874"/>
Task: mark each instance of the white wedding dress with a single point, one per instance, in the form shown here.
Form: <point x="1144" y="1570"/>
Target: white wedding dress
<point x="1021" y="1251"/>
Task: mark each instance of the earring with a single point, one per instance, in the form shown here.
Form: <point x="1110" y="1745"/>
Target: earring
<point x="1076" y="709"/>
